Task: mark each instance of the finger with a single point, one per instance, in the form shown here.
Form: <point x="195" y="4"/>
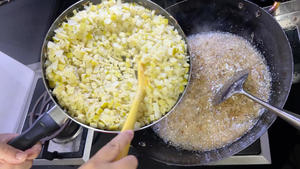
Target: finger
<point x="34" y="151"/>
<point x="4" y="138"/>
<point x="11" y="155"/>
<point x="111" y="150"/>
<point x="93" y="165"/>
<point x="25" y="165"/>
<point x="128" y="162"/>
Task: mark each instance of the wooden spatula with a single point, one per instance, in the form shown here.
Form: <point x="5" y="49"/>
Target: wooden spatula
<point x="132" y="116"/>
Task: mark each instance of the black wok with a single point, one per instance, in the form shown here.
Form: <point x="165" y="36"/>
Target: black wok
<point x="245" y="19"/>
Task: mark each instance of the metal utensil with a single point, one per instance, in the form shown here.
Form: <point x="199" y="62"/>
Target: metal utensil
<point x="235" y="85"/>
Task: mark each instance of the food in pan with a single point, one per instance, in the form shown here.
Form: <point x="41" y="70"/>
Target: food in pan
<point x="92" y="61"/>
<point x="196" y="124"/>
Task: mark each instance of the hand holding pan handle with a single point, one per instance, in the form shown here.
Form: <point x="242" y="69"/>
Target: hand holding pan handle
<point x="44" y="126"/>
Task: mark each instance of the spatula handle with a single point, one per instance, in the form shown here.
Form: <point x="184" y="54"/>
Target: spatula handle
<point x="131" y="119"/>
<point x="292" y="118"/>
<point x="132" y="116"/>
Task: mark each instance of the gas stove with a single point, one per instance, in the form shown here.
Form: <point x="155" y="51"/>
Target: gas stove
<point x="81" y="143"/>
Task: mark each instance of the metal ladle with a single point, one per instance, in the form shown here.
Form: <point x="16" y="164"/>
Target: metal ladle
<point x="235" y="85"/>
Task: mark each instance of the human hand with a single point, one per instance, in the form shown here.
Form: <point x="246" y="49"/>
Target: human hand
<point x="105" y="157"/>
<point x="12" y="158"/>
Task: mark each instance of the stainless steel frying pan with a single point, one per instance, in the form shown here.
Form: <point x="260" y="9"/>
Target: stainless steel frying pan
<point x="51" y="121"/>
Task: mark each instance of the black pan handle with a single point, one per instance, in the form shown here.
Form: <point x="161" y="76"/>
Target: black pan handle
<point x="44" y="126"/>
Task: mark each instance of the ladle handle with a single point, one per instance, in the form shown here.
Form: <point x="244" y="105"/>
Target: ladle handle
<point x="292" y="118"/>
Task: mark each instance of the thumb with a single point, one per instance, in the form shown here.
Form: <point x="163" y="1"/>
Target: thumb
<point x="112" y="149"/>
<point x="10" y="154"/>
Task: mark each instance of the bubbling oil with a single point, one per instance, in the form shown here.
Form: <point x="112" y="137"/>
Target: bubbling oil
<point x="196" y="124"/>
